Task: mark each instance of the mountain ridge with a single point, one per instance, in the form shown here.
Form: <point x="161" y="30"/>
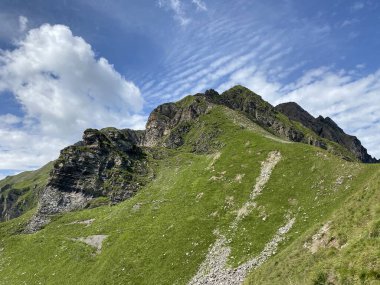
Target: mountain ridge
<point x="88" y="170"/>
<point x="326" y="128"/>
<point x="214" y="189"/>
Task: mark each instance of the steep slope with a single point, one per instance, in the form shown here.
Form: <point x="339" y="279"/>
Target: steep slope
<point x="344" y="249"/>
<point x="326" y="128"/>
<point x="227" y="187"/>
<point x="106" y="166"/>
<point x="284" y="124"/>
<point x="20" y="193"/>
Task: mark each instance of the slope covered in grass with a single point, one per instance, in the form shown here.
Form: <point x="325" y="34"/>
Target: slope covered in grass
<point x="343" y="249"/>
<point x="164" y="233"/>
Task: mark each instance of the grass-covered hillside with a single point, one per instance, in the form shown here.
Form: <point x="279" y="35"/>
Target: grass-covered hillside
<point x="278" y="212"/>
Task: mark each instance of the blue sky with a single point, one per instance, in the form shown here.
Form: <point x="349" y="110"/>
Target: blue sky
<point x="69" y="65"/>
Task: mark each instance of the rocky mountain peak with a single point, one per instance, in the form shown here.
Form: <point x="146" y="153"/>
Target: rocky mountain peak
<point x="326" y="128"/>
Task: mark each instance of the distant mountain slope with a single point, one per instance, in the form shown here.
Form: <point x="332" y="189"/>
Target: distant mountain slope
<point x="20" y="193"/>
<point x="214" y="191"/>
<point x="326" y="128"/>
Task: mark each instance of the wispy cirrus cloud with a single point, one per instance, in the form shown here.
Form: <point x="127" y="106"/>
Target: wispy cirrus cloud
<point x="200" y="5"/>
<point x="276" y="61"/>
<point x="357" y="6"/>
<point x="176" y="6"/>
<point x="180" y="9"/>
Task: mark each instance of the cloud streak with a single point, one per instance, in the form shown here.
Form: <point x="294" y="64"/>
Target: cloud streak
<point x="176" y="7"/>
<point x="180" y="9"/>
<point x="200" y="5"/>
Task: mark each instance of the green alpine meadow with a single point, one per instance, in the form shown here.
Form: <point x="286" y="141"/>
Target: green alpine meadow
<point x="218" y="189"/>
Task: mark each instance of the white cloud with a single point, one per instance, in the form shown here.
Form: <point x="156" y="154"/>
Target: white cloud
<point x="23" y="23"/>
<point x="349" y="22"/>
<point x="63" y="89"/>
<point x="179" y="9"/>
<point x="253" y="79"/>
<point x="200" y="5"/>
<point x="9" y="119"/>
<point x="283" y="58"/>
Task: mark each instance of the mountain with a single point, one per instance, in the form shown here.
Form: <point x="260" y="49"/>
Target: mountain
<point x="218" y="189"/>
<point x="326" y="128"/>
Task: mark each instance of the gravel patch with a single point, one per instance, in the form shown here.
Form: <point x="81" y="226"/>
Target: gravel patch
<point x="94" y="241"/>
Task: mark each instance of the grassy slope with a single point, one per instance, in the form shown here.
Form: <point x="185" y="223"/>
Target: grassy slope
<point x="161" y="235"/>
<point x="356" y="226"/>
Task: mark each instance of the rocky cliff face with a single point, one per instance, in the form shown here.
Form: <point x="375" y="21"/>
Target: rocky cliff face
<point x="326" y="128"/>
<point x="9" y="208"/>
<point x="169" y="122"/>
<point x="110" y="165"/>
<point x="107" y="165"/>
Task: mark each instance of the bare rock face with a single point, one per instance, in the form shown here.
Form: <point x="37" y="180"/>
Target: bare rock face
<point x="107" y="163"/>
<point x="9" y="206"/>
<point x="169" y="122"/>
<point x="326" y="128"/>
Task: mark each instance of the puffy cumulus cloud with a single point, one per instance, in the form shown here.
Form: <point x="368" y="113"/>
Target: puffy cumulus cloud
<point x="62" y="88"/>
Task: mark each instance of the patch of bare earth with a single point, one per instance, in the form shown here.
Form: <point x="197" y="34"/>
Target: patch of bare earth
<point x="95" y="241"/>
<point x="322" y="239"/>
